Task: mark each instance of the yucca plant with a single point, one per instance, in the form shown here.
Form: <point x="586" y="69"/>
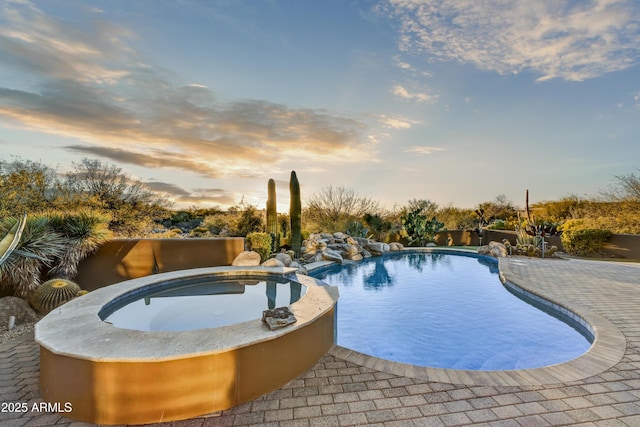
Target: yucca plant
<point x="84" y="232"/>
<point x="39" y="247"/>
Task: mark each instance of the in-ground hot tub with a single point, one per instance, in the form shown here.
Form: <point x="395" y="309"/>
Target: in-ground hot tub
<point x="132" y="374"/>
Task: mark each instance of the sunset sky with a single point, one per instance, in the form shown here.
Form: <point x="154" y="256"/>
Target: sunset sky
<point x="454" y="101"/>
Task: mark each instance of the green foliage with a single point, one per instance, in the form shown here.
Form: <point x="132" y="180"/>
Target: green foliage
<point x="420" y="230"/>
<point x="457" y="218"/>
<point x="500" y="208"/>
<point x="39" y="248"/>
<point x="584" y="241"/>
<point x="260" y="243"/>
<point x="357" y="229"/>
<point x="83" y="231"/>
<point x="249" y="221"/>
<point x="498" y="224"/>
<point x="295" y="214"/>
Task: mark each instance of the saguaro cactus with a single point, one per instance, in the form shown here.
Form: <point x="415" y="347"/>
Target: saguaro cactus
<point x="295" y="214"/>
<point x="272" y="216"/>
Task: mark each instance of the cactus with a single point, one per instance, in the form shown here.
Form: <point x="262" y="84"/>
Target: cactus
<point x="295" y="214"/>
<point x="272" y="216"/>
<point x="53" y="293"/>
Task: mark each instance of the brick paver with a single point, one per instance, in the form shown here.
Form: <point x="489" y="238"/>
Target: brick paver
<point x="336" y="392"/>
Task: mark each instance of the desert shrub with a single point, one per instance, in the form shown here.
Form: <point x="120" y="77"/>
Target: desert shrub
<point x="457" y="218"/>
<point x="333" y="208"/>
<point x="260" y="243"/>
<point x="584" y="241"/>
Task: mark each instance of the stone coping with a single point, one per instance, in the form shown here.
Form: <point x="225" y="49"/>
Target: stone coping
<point x="607" y="349"/>
<point x="76" y="330"/>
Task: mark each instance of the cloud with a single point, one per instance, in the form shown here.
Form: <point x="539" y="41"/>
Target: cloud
<point x="424" y="150"/>
<point x="87" y="83"/>
<point x="184" y="197"/>
<point x="570" y="40"/>
<point x="397" y="122"/>
<point x="418" y="96"/>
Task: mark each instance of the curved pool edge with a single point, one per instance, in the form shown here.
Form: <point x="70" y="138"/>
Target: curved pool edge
<point x="120" y="376"/>
<point x="607" y="349"/>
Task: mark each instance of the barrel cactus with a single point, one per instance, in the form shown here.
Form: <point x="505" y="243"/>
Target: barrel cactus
<point x="272" y="216"/>
<point x="295" y="214"/>
<point x="53" y="293"/>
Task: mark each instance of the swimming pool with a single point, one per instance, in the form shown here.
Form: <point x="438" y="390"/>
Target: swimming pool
<point x="447" y="311"/>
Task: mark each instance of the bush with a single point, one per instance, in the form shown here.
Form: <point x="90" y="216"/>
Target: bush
<point x="584" y="242"/>
<point x="260" y="243"/>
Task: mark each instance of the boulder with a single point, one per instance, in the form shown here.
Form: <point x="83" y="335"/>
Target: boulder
<point x="17" y="307"/>
<point x="350" y="249"/>
<point x="273" y="262"/>
<point x="340" y="236"/>
<point x="396" y="246"/>
<point x="484" y="250"/>
<point x="354" y="257"/>
<point x="246" y="259"/>
<point x="377" y="247"/>
<point x="284" y="258"/>
<point x="330" y="255"/>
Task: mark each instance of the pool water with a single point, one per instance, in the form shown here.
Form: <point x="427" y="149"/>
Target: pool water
<point x="446" y="311"/>
<point x="201" y="303"/>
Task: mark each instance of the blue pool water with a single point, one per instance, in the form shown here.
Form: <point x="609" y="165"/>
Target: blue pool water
<point x="447" y="311"/>
<point x="200" y="303"/>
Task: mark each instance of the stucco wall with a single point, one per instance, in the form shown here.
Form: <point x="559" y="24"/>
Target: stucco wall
<point x="123" y="259"/>
<point x="625" y="246"/>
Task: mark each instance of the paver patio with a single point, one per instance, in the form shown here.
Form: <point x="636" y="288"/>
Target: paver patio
<point x="340" y="392"/>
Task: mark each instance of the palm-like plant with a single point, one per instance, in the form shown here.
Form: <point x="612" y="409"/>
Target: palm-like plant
<point x="84" y="232"/>
<point x="38" y="247"/>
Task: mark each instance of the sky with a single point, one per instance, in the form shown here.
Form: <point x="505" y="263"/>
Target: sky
<point x="453" y="101"/>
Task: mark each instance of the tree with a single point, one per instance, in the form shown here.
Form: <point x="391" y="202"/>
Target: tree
<point x="333" y="207"/>
<point x="105" y="187"/>
<point x="626" y="187"/>
<point x="26" y="186"/>
<point x="499" y="208"/>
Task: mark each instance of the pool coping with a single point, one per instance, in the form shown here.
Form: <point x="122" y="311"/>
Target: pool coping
<point x="76" y="330"/>
<point x="608" y="347"/>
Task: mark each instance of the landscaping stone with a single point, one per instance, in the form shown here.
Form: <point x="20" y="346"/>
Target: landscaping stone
<point x="246" y="259"/>
<point x="273" y="262"/>
<point x="14" y="306"/>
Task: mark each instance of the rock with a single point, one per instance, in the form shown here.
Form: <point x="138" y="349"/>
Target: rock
<point x="14" y="306"/>
<point x="247" y="259"/>
<point x="350" y="240"/>
<point x="284" y="258"/>
<point x="354" y="257"/>
<point x="484" y="250"/>
<point x="330" y="255"/>
<point x="339" y="235"/>
<point x="350" y="249"/>
<point x="365" y="253"/>
<point x="273" y="262"/>
<point x="396" y="246"/>
<point x="301" y="268"/>
<point x="431" y="245"/>
<point x="495" y="249"/>
<point x="377" y="247"/>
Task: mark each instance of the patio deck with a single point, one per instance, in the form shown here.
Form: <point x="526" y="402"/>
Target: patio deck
<point x="339" y="392"/>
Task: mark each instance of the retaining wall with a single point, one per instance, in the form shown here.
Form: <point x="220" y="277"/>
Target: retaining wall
<point x="123" y="259"/>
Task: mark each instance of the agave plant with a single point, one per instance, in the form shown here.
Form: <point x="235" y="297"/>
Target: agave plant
<point x="84" y="232"/>
<point x="12" y="238"/>
<point x="38" y="247"/>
